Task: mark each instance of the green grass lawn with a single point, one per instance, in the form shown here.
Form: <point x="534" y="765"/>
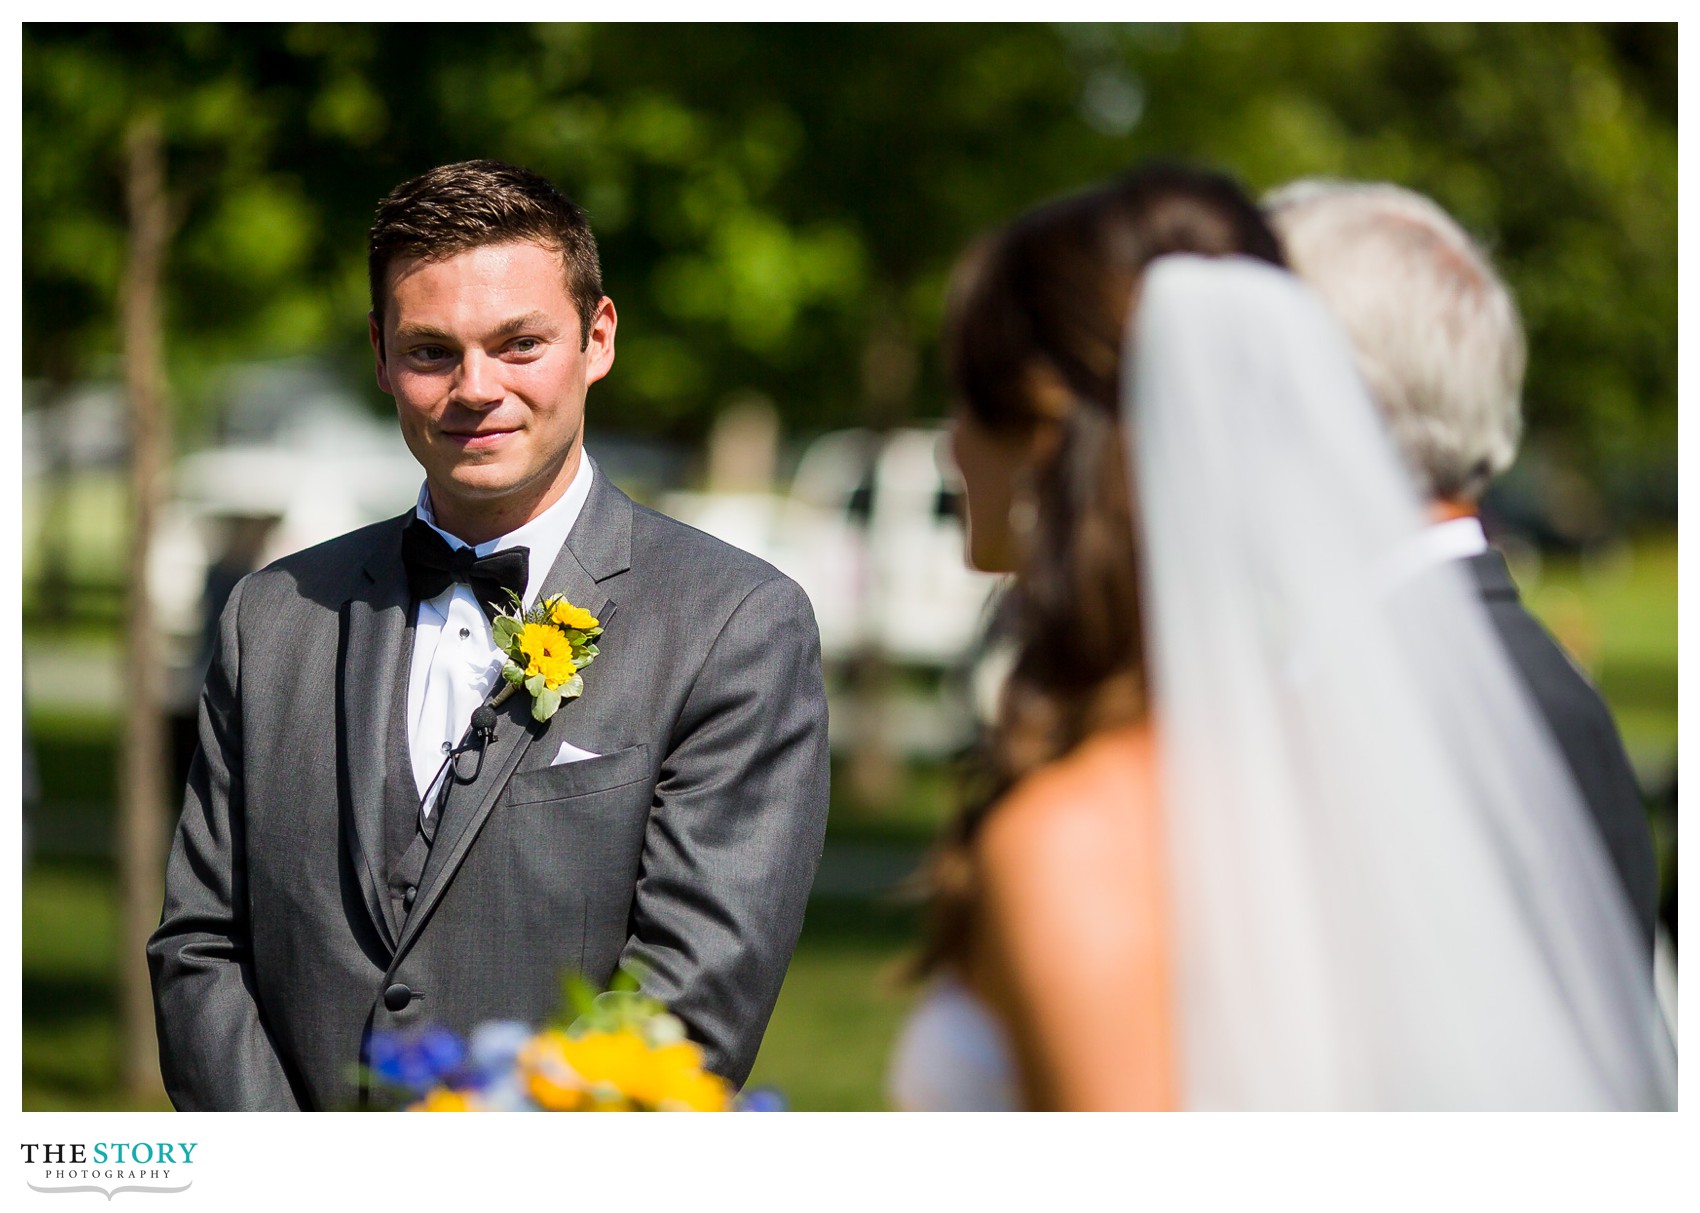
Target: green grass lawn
<point x="831" y="1034"/>
<point x="70" y="991"/>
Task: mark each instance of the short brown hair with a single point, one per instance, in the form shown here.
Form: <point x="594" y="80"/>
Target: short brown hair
<point x="456" y="207"/>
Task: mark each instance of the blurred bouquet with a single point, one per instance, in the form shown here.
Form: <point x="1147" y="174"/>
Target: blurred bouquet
<point x="622" y="1052"/>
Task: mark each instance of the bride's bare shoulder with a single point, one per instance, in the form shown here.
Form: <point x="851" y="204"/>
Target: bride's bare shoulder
<point x="1091" y="810"/>
<point x="1070" y="938"/>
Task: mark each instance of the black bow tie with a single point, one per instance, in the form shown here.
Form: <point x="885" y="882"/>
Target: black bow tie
<point x="433" y="566"/>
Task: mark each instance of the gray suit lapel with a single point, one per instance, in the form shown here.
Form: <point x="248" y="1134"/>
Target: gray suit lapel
<point x="598" y="547"/>
<point x="374" y="627"/>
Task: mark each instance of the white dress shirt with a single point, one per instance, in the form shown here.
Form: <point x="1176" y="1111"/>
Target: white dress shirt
<point x="455" y="659"/>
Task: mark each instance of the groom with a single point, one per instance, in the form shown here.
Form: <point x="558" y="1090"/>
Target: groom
<point x="351" y="856"/>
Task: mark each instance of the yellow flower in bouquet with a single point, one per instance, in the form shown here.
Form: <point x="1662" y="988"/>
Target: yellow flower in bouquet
<point x="441" y="1099"/>
<point x="698" y="1092"/>
<point x="547" y="1077"/>
<point x="619" y="1071"/>
<point x="611" y="1064"/>
<point x="623" y="1068"/>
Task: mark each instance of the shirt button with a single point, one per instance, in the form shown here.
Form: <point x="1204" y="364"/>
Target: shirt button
<point x="465" y="632"/>
<point x="447" y="747"/>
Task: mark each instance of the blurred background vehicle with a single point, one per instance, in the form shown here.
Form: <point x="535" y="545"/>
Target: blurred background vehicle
<point x="870" y="528"/>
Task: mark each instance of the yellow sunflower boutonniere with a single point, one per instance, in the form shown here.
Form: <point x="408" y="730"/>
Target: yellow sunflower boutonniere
<point x="546" y="647"/>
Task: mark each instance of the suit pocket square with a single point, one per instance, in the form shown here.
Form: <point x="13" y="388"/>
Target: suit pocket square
<point x="570" y="753"/>
<point x="595" y="774"/>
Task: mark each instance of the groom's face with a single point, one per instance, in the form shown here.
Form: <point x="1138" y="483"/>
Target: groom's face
<point x="484" y="354"/>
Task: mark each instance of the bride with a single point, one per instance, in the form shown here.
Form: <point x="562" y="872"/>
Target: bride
<point x="1264" y="825"/>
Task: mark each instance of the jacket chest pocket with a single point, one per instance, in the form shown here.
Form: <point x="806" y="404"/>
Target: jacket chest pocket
<point x="574" y="780"/>
<point x="578" y="825"/>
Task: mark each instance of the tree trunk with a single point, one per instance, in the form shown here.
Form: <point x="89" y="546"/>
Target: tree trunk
<point x="142" y="812"/>
<point x="890" y="367"/>
<point x="53" y="592"/>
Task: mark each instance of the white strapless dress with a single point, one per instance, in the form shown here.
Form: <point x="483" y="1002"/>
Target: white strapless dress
<point x="952" y="1056"/>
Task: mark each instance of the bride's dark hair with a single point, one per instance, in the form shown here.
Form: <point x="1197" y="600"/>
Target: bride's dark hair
<point x="1036" y="320"/>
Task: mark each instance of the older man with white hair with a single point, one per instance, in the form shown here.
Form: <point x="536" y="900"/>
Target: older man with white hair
<point x="1441" y="349"/>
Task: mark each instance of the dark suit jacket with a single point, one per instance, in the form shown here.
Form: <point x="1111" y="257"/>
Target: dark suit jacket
<point x="689" y="845"/>
<point x="1583" y="727"/>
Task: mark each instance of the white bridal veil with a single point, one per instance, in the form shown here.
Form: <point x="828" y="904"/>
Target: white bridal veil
<point x="1387" y="892"/>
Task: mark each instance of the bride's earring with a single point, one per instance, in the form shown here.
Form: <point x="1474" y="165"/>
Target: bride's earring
<point x="1023" y="506"/>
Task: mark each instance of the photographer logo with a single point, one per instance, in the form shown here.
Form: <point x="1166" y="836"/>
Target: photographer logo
<point x="109" y="1167"/>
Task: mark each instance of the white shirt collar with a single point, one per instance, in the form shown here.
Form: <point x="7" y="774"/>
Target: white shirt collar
<point x="543" y="536"/>
<point x="1436" y="544"/>
<point x="1454" y="539"/>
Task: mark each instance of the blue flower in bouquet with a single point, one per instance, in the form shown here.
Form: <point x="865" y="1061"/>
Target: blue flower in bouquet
<point x="493" y="1058"/>
<point x="761" y="1099"/>
<point x="494" y="1046"/>
<point x="415" y="1060"/>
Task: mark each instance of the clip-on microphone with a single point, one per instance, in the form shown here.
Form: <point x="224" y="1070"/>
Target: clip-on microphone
<point x="479" y="733"/>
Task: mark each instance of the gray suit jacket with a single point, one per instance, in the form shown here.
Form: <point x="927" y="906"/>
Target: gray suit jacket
<point x="689" y="845"/>
<point x="1583" y="727"/>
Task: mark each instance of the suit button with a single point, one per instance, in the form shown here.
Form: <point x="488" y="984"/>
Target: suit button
<point x="397" y="997"/>
<point x="407" y="897"/>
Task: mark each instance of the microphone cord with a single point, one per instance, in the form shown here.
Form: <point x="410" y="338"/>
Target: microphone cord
<point x="479" y="733"/>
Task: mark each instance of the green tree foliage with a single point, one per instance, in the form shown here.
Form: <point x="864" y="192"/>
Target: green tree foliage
<point x="779" y="206"/>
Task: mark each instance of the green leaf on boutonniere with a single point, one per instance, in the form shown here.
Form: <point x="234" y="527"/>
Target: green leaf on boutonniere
<point x="554" y="638"/>
<point x="544" y="703"/>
